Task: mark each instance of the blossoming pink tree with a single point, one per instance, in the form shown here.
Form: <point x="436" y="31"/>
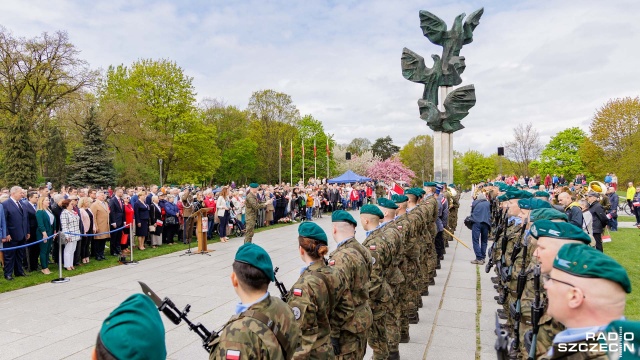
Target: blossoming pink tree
<point x="390" y="170"/>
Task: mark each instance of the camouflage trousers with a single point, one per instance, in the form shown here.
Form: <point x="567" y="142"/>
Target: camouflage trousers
<point x="408" y="299"/>
<point x="353" y="346"/>
<point x="250" y="225"/>
<point x="377" y="333"/>
<point x="393" y="315"/>
<point x="424" y="274"/>
<point x="432" y="259"/>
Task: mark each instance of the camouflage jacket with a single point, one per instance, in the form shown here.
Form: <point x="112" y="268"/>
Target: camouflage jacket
<point x="396" y="247"/>
<point x="353" y="264"/>
<point x="431" y="214"/>
<point x="379" y="246"/>
<point x="253" y="205"/>
<point x="317" y="306"/>
<point x="411" y="249"/>
<point x="245" y="337"/>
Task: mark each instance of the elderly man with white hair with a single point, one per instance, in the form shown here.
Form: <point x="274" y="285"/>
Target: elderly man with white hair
<point x="17" y="233"/>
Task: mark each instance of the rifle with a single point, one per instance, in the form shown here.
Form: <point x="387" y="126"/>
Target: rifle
<point x="522" y="278"/>
<point x="171" y="311"/>
<point x="536" y="312"/>
<point x="501" y="265"/>
<point x="284" y="294"/>
<point x="502" y="342"/>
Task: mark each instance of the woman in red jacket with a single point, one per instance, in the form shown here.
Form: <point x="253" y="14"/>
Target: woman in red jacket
<point x="128" y="220"/>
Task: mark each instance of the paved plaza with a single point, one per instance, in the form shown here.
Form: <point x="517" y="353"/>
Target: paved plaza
<point x="61" y="321"/>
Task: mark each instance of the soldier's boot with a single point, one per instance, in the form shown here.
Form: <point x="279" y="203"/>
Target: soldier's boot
<point x="404" y="338"/>
<point x="439" y="266"/>
<point x="425" y="292"/>
<point x="440" y="257"/>
<point x="496" y="298"/>
<point x="420" y="303"/>
<point x="446" y="244"/>
<point x="432" y="282"/>
<point x="414" y="319"/>
<point x="495" y="286"/>
<point x="394" y="355"/>
<point x="495" y="279"/>
<point x="502" y="314"/>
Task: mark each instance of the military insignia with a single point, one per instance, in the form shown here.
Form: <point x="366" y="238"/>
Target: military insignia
<point x="373" y="260"/>
<point x="372" y="247"/>
<point x="332" y="262"/>
<point x="233" y="355"/>
<point x="297" y="292"/>
<point x="296" y="312"/>
<point x="399" y="227"/>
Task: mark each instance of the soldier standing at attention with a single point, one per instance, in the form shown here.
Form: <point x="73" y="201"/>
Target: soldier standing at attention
<point x="380" y="293"/>
<point x="353" y="263"/>
<point x="252" y="206"/>
<point x="587" y="290"/>
<point x="264" y="327"/>
<point x="318" y="293"/>
<point x="395" y="277"/>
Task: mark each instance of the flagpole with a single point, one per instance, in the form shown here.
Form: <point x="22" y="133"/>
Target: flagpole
<point x="291" y="163"/>
<point x="327" y="159"/>
<point x="303" y="182"/>
<point x="315" y="161"/>
<point x="280" y="164"/>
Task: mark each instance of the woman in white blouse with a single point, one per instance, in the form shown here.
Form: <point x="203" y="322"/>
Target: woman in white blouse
<point x="70" y="222"/>
<point x="222" y="211"/>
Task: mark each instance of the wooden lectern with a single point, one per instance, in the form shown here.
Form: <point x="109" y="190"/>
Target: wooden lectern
<point x="201" y="231"/>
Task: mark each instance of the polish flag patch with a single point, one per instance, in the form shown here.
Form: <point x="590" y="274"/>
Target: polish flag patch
<point x="372" y="247"/>
<point x="297" y="292"/>
<point x="233" y="355"/>
<point x="332" y="262"/>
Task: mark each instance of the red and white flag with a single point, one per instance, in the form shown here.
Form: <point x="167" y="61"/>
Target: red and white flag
<point x="398" y="189"/>
<point x="233" y="355"/>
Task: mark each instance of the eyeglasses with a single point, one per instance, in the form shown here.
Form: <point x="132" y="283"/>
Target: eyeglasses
<point x="546" y="278"/>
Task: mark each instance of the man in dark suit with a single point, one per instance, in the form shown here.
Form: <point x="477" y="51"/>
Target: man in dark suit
<point x="334" y="197"/>
<point x="153" y="189"/>
<point x="116" y="220"/>
<point x="31" y="206"/>
<point x="17" y="233"/>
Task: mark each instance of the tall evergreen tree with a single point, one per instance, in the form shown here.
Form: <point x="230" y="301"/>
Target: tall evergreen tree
<point x="19" y="154"/>
<point x="92" y="164"/>
<point x="54" y="156"/>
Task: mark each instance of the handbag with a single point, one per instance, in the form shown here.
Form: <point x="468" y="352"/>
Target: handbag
<point x="171" y="220"/>
<point x="468" y="222"/>
<point x="606" y="237"/>
<point x="152" y="228"/>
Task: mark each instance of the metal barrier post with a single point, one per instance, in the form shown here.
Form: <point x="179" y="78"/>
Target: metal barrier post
<point x="60" y="279"/>
<point x="131" y="236"/>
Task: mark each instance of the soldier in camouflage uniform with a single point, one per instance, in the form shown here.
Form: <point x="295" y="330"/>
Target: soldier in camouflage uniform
<point x="318" y="293"/>
<point x="252" y="206"/>
<point x="250" y="334"/>
<point x="454" y="205"/>
<point x="431" y="215"/>
<point x="395" y="277"/>
<point x="353" y="263"/>
<point x="380" y="292"/>
<point x="410" y="266"/>
<point x="586" y="290"/>
<point x="446" y="237"/>
<point x="420" y="235"/>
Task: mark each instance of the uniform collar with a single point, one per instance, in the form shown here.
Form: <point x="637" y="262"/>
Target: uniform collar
<point x="240" y="307"/>
<point x="344" y="241"/>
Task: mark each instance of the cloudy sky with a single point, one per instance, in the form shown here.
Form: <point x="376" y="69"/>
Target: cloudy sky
<point x="550" y="63"/>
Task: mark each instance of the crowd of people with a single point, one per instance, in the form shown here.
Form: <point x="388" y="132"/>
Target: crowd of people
<point x="558" y="290"/>
<point x="359" y="294"/>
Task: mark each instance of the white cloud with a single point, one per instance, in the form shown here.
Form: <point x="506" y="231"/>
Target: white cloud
<point x="550" y="63"/>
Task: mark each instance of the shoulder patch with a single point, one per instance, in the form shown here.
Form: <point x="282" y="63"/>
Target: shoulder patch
<point x="232" y="355"/>
<point x="332" y="262"/>
<point x="372" y="247"/>
<point x="399" y="227"/>
<point x="297" y="292"/>
<point x="296" y="312"/>
<point x="373" y="260"/>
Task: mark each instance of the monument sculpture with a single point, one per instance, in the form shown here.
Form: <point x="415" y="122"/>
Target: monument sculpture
<point x="440" y="106"/>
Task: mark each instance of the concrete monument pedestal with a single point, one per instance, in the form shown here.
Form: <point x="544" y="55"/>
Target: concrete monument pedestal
<point x="443" y="146"/>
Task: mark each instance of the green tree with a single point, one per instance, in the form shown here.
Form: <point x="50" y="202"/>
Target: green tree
<point x="19" y="157"/>
<point x="562" y="154"/>
<point x="274" y="120"/>
<point x="417" y="155"/>
<point x="472" y="167"/>
<point x="54" y="159"/>
<point x="92" y="163"/>
<point x="359" y="146"/>
<point x="310" y="129"/>
<point x="240" y="162"/>
<point x="384" y="148"/>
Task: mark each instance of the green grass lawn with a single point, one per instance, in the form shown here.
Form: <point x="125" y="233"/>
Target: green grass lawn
<point x="625" y="218"/>
<point x="35" y="278"/>
<point x="625" y="242"/>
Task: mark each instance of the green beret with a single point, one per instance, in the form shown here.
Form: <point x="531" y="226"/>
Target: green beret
<point x="371" y="209"/>
<point x="430" y="183"/>
<point x="533" y="203"/>
<point x="134" y="330"/>
<point x="254" y="255"/>
<point x="625" y="327"/>
<point x="452" y="185"/>
<point x="585" y="261"/>
<point x="541" y="194"/>
<point x="518" y="186"/>
<point x="558" y="230"/>
<point x="412" y="191"/>
<point x="502" y="198"/>
<point x="490" y="184"/>
<point x="343" y="216"/>
<point x="398" y="199"/>
<point x="313" y="231"/>
<point x="547" y="214"/>
<point x="422" y="192"/>
<point x="386" y="203"/>
<point x="254" y="185"/>
<point x="518" y="194"/>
